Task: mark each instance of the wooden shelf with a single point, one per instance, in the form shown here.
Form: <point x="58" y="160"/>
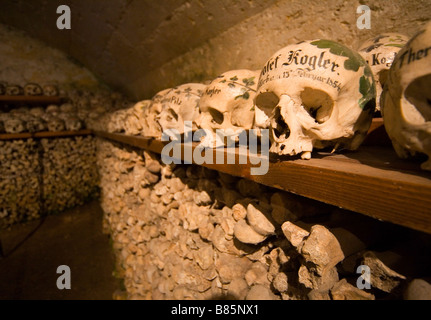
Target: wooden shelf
<point x="372" y="181"/>
<point x="32" y="100"/>
<point x="44" y="134"/>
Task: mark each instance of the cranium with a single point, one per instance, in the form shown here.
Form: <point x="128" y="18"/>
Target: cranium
<point x="117" y="120"/>
<point x="73" y="123"/>
<point x="179" y="105"/>
<point x="14" y="90"/>
<point x="55" y="124"/>
<point x="151" y="127"/>
<point x="35" y="124"/>
<point x="135" y="119"/>
<point x="37" y="111"/>
<point x="14" y="125"/>
<point x="315" y="94"/>
<point x="379" y="52"/>
<point x="67" y="108"/>
<point x="406" y="98"/>
<point x="32" y="89"/>
<point x="50" y="90"/>
<point x="227" y="103"/>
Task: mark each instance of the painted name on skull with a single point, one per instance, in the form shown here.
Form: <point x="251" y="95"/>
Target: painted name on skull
<point x="410" y="56"/>
<point x="378" y="60"/>
<point x="297" y="58"/>
<point x="173" y="99"/>
<point x="211" y="92"/>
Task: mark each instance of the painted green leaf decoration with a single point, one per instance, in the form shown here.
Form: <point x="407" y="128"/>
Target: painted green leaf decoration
<point x="352" y="63"/>
<point x="249" y="81"/>
<point x="368" y="91"/>
<point x="394" y="45"/>
<point x="231" y="85"/>
<point x="244" y="96"/>
<point x="235" y="78"/>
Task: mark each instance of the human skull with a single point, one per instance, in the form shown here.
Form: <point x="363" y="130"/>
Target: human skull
<point x="37" y="111"/>
<point x="117" y="120"/>
<point x="14" y="125"/>
<point x="315" y="94"/>
<point x="227" y="104"/>
<point x="406" y="98"/>
<point x="379" y="52"/>
<point x="55" y="124"/>
<point x="67" y="108"/>
<point x="179" y="105"/>
<point x="14" y="90"/>
<point x="152" y="127"/>
<point x="135" y="119"/>
<point x="32" y="89"/>
<point x="73" y="123"/>
<point x="50" y="90"/>
<point x="35" y="124"/>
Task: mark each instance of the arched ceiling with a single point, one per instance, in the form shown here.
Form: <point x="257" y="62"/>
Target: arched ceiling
<point x="122" y="40"/>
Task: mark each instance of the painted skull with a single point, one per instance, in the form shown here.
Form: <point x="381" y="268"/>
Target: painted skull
<point x="406" y="98"/>
<point x="134" y="122"/>
<point x="380" y="52"/>
<point x="179" y="105"/>
<point x="152" y="127"/>
<point x="315" y="94"/>
<point x="227" y="104"/>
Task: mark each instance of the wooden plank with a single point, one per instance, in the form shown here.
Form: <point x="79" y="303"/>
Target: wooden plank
<point x="30" y="100"/>
<point x="15" y="136"/>
<point x="59" y="134"/>
<point x="371" y="181"/>
<point x="44" y="134"/>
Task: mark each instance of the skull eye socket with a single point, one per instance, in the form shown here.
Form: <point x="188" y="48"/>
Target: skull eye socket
<point x="172" y="115"/>
<point x="318" y="104"/>
<point x="267" y="101"/>
<point x="217" y="116"/>
<point x="419" y="96"/>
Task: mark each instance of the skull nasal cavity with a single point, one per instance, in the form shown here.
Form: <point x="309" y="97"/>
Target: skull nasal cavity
<point x="216" y="115"/>
<point x="317" y="103"/>
<point x="280" y="128"/>
<point x="419" y="95"/>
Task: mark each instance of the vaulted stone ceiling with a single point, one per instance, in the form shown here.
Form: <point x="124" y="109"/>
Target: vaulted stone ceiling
<point x="120" y="40"/>
<point x="140" y="47"/>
